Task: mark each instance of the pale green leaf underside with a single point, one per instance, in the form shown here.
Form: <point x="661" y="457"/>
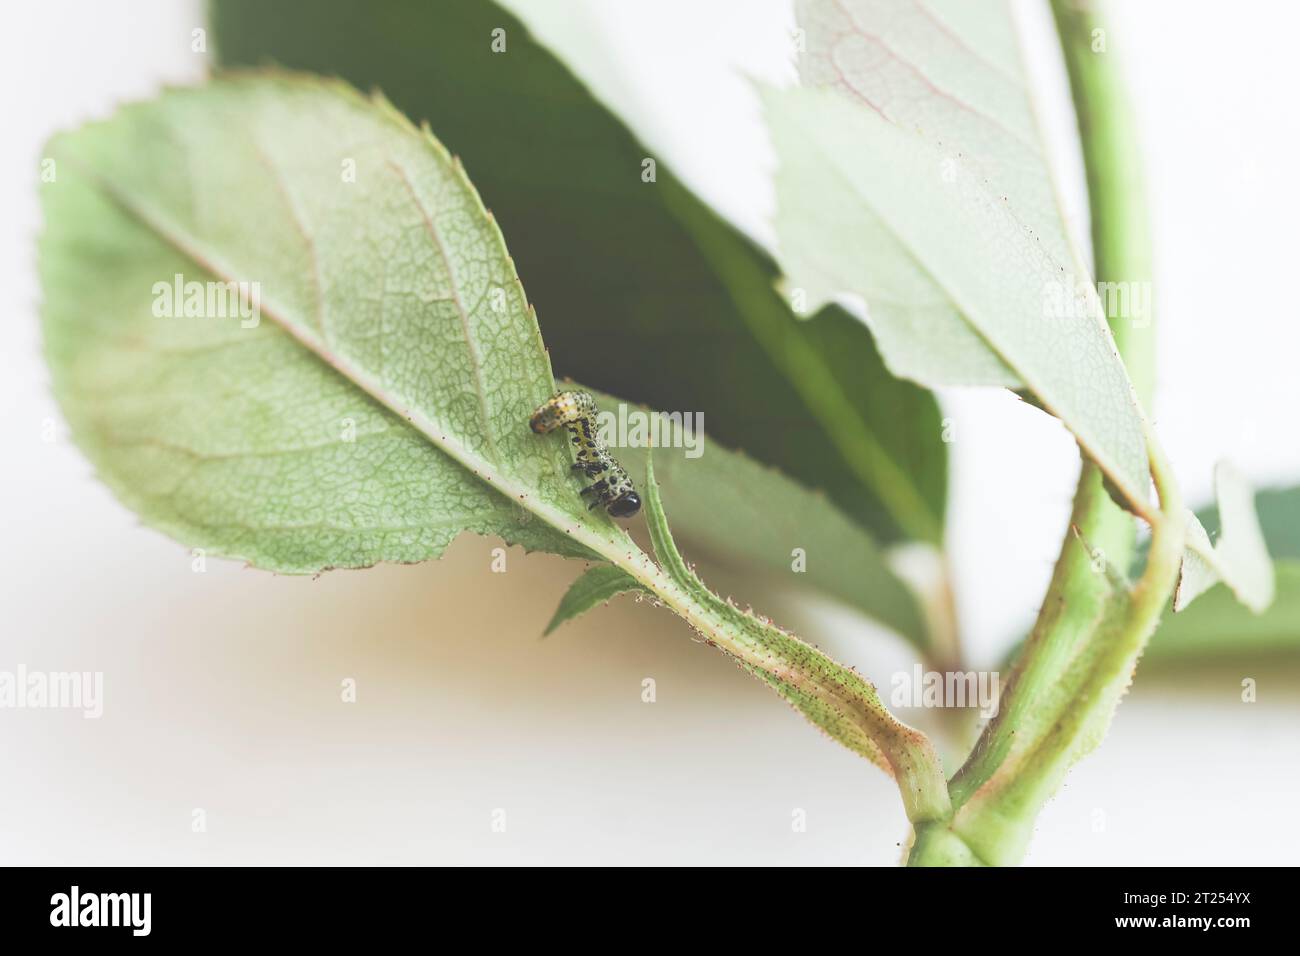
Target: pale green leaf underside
<point x="380" y="405"/>
<point x="1239" y="558"/>
<point x="743" y="512"/>
<point x="949" y="69"/>
<point x="596" y="586"/>
<point x="958" y="290"/>
<point x="1217" y="625"/>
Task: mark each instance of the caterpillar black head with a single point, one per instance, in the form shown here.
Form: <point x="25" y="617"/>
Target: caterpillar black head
<point x="624" y="506"/>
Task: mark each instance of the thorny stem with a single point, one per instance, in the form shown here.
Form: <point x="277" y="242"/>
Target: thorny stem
<point x="833" y="697"/>
<point x="905" y="753"/>
<point x="1086" y="642"/>
<point x="1076" y="700"/>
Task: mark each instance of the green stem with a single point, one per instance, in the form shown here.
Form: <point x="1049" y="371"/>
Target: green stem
<point x="1108" y="135"/>
<point x="1091" y="628"/>
<point x="833" y="697"/>
<point x="1074" y="711"/>
<point x="1075" y="603"/>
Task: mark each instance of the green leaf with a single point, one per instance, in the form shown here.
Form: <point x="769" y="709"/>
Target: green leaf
<point x="1239" y="558"/>
<point x="955" y="285"/>
<point x="951" y="68"/>
<point x="376" y="402"/>
<point x="1278" y="511"/>
<point x="670" y="559"/>
<point x="642" y="290"/>
<point x="911" y="176"/>
<point x="597" y="585"/>
<point x="1217" y="625"/>
<point x="383" y="289"/>
<point x="833" y="697"/>
<point x="748" y="514"/>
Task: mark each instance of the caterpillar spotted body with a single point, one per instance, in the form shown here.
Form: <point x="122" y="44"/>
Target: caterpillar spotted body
<point x="576" y="411"/>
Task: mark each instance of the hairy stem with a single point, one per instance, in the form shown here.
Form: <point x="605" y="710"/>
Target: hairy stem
<point x="1092" y="627"/>
<point x="997" y="819"/>
<point x="833" y="697"/>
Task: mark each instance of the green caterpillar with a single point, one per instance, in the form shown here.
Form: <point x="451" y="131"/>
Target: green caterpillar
<point x="577" y="412"/>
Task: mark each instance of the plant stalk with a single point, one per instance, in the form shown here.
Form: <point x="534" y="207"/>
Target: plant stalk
<point x="1091" y="628"/>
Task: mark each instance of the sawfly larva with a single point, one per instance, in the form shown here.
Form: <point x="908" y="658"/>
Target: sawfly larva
<point x="576" y="411"/>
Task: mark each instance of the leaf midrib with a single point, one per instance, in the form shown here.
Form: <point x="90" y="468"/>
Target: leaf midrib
<point x="606" y="544"/>
<point x="1141" y="506"/>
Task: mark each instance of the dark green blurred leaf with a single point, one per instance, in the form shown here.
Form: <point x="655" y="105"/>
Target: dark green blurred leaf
<point x="751" y="515"/>
<point x="640" y="288"/>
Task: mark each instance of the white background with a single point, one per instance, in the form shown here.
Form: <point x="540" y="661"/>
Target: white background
<point x="222" y="688"/>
